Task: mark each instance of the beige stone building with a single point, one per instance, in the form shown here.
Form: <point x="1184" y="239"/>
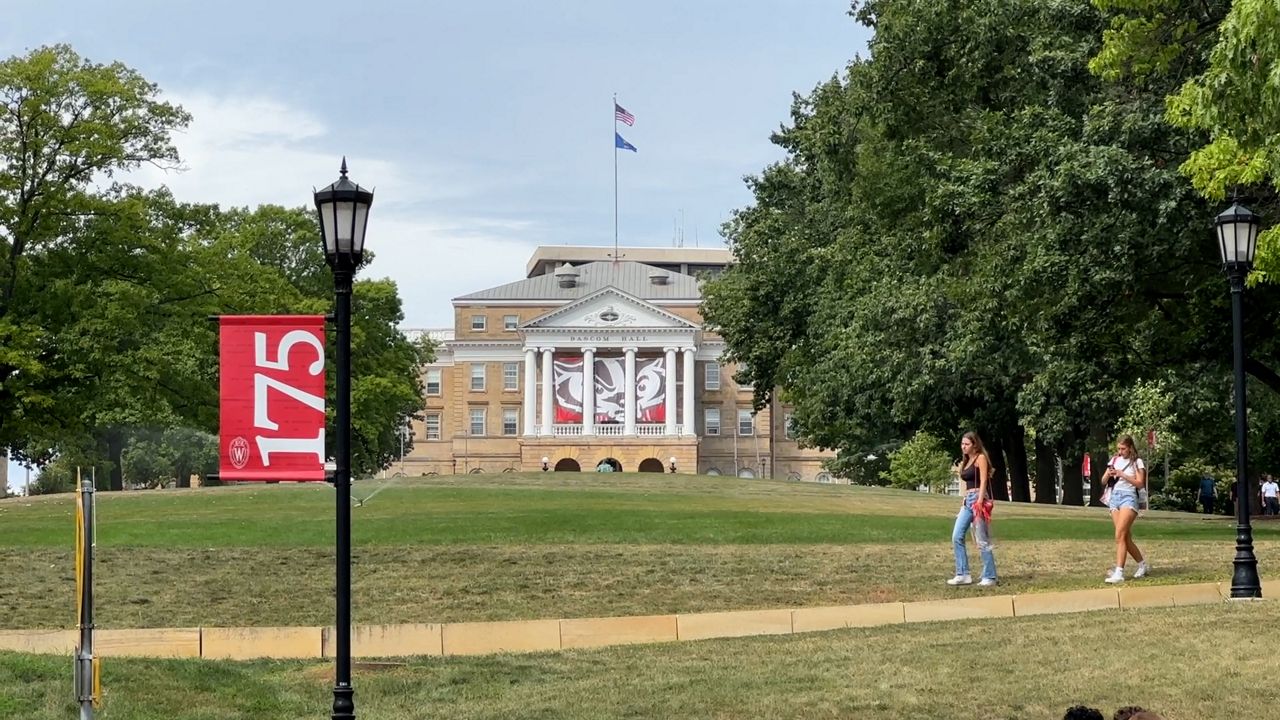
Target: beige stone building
<point x="507" y="389"/>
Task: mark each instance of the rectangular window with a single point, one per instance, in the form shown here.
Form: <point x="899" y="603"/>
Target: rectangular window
<point x="713" y="376"/>
<point x="432" y="423"/>
<point x="789" y="426"/>
<point x="746" y="422"/>
<point x="510" y="421"/>
<point x="477" y="376"/>
<point x="477" y="323"/>
<point x="509" y="322"/>
<point x="433" y="381"/>
<point x="510" y="376"/>
<point x="477" y="422"/>
<point x="711" y="421"/>
<point x="740" y="376"/>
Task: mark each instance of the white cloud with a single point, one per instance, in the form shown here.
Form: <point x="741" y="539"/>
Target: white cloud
<point x="247" y="151"/>
<point x="433" y="261"/>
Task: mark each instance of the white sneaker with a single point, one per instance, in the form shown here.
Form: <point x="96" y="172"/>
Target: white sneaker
<point x="960" y="580"/>
<point x="1116" y="576"/>
<point x="1143" y="569"/>
<point x="988" y="582"/>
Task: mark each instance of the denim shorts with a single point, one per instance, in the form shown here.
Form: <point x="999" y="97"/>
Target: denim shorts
<point x="1123" y="499"/>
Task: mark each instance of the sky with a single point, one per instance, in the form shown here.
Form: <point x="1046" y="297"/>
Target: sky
<point x="485" y="128"/>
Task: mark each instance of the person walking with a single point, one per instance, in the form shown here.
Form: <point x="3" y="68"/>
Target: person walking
<point x="1270" y="492"/>
<point x="975" y="511"/>
<point x="1130" y="474"/>
<point x="1207" y="494"/>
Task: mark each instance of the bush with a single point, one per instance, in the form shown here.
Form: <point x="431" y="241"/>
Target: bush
<point x="922" y="460"/>
<point x="1183" y="491"/>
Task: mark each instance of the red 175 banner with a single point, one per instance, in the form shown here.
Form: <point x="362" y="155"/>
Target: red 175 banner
<point x="272" y="397"/>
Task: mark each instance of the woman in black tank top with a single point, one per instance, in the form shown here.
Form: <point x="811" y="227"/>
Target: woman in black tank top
<point x="971" y="477"/>
<point x="975" y="472"/>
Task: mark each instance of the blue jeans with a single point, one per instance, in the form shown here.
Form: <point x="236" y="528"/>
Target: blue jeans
<point x="963" y="520"/>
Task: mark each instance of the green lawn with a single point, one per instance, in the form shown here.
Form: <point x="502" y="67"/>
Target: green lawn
<point x="1196" y="663"/>
<point x="557" y="545"/>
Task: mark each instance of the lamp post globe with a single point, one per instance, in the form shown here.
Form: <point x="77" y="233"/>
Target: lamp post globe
<point x="343" y="211"/>
<point x="1237" y="232"/>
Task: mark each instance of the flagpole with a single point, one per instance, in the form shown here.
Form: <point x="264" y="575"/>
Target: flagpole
<point x="615" y="177"/>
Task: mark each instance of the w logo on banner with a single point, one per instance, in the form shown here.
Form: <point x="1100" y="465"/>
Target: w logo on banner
<point x="238" y="452"/>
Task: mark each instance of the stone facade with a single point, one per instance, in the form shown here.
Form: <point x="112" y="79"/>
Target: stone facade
<point x="508" y="387"/>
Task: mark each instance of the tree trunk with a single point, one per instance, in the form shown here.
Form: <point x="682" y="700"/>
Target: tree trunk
<point x="1015" y="447"/>
<point x="999" y="469"/>
<point x="1072" y="477"/>
<point x="1046" y="474"/>
<point x="1097" y="466"/>
<point x="115" y="453"/>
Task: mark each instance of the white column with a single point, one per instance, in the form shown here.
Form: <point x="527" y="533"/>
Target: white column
<point x="547" y="418"/>
<point x="689" y="384"/>
<point x="629" y="423"/>
<point x="669" y="370"/>
<point x="530" y="391"/>
<point x="588" y="391"/>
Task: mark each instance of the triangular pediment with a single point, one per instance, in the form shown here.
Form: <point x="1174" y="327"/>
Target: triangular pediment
<point x="607" y="309"/>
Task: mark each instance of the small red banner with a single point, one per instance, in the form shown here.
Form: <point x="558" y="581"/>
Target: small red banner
<point x="272" y="397"/>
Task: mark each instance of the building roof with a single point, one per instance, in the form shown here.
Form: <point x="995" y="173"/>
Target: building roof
<point x="629" y="277"/>
<point x="555" y="255"/>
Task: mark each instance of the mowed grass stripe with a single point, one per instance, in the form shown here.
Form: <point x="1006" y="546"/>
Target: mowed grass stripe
<point x="450" y="513"/>
<point x="1201" y="662"/>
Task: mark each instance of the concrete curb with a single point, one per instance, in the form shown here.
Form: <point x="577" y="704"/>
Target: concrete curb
<point x="522" y="636"/>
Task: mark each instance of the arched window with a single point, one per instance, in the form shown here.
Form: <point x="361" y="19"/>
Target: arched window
<point x="651" y="465"/>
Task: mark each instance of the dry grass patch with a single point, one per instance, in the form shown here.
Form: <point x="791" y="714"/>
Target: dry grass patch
<point x="147" y="587"/>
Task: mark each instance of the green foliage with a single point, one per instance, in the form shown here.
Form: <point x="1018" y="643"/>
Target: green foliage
<point x="921" y="461"/>
<point x="1183" y="490"/>
<point x="1151" y="408"/>
<point x="105" y="289"/>
<point x="155" y="458"/>
<point x="65" y="125"/>
<point x="971" y="229"/>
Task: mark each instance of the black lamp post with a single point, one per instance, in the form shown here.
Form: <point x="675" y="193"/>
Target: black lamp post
<point x="1238" y="241"/>
<point x="343" y="208"/>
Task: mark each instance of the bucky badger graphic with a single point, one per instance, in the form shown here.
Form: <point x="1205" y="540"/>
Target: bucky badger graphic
<point x="610" y="389"/>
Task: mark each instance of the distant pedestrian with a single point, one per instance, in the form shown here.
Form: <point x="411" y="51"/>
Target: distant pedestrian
<point x="1130" y="475"/>
<point x="975" y="510"/>
<point x="1270" y="496"/>
<point x="1207" y="494"/>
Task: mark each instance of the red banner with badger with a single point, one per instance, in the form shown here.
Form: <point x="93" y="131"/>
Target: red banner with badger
<point x="271" y="397"/>
<point x="610" y="389"/>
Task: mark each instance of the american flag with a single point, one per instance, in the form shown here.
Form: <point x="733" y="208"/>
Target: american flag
<point x="620" y="113"/>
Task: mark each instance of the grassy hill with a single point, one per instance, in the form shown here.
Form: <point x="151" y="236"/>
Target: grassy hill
<point x="551" y="545"/>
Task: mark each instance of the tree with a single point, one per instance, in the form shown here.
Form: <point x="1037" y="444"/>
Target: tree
<point x="922" y="461"/>
<point x="972" y="230"/>
<point x="65" y="124"/>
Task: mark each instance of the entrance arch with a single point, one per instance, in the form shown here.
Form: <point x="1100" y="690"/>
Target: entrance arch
<point x="568" y="465"/>
<point x="611" y="462"/>
<point x="651" y="465"/>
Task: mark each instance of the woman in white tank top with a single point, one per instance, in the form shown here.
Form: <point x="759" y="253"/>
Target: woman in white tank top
<point x="1129" y="475"/>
